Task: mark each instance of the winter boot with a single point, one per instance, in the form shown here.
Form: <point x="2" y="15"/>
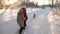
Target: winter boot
<point x="20" y="31"/>
<point x="22" y="28"/>
<point x="24" y="24"/>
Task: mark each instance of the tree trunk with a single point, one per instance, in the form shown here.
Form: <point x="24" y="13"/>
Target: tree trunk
<point x="52" y="3"/>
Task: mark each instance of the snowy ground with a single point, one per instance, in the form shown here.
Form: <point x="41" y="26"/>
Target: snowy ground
<point x="39" y="25"/>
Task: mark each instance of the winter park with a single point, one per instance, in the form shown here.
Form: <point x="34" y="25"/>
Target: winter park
<point x="29" y="17"/>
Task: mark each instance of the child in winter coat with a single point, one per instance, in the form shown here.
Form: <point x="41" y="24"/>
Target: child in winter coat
<point x="20" y="20"/>
<point x="25" y="15"/>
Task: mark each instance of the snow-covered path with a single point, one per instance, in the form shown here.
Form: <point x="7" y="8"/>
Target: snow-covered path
<point x="39" y="25"/>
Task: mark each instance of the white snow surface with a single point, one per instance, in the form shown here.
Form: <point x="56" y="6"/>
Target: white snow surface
<point x="37" y="25"/>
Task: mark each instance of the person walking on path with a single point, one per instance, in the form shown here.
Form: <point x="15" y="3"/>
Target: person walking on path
<point x="25" y="16"/>
<point x="20" y="20"/>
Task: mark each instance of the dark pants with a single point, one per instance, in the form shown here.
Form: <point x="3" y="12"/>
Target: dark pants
<point x="22" y="28"/>
<point x="25" y="22"/>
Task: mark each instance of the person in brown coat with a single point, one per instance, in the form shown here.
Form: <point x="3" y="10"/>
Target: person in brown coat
<point x="20" y="20"/>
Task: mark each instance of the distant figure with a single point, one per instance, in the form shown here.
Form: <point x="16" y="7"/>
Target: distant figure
<point x="34" y="15"/>
<point x="20" y="20"/>
<point x="25" y="16"/>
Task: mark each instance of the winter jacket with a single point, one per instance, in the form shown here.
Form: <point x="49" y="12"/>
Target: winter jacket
<point x="25" y="14"/>
<point x="20" y="19"/>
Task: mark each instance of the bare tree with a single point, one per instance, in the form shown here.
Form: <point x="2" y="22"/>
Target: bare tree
<point x="43" y="4"/>
<point x="49" y="3"/>
<point x="52" y="3"/>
